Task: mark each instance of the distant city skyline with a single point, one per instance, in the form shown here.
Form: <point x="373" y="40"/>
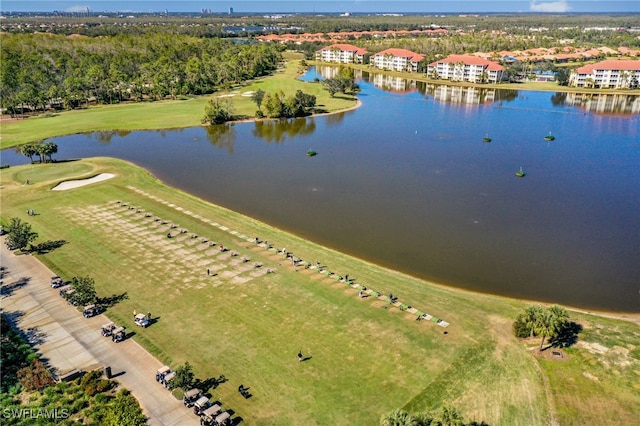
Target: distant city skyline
<point x="328" y="6"/>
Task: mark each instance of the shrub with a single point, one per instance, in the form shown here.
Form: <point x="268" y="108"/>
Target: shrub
<point x="79" y="404"/>
<point x="520" y="329"/>
<point x="35" y="376"/>
<point x="102" y="398"/>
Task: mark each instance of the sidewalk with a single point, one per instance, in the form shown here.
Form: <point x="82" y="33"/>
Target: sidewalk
<point x="66" y="340"/>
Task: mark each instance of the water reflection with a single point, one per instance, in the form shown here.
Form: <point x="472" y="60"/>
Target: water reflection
<point x="279" y="130"/>
<point x="389" y="83"/>
<point x="469" y="95"/>
<point x="222" y="136"/>
<point x="605" y="103"/>
<point x="595" y="103"/>
<point x="106" y="137"/>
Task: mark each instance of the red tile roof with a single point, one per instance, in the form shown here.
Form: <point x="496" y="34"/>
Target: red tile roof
<point x="346" y="48"/>
<point x="402" y="53"/>
<point x="613" y="64"/>
<point x="469" y="60"/>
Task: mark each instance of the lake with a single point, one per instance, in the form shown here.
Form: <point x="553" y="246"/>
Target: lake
<point x="406" y="181"/>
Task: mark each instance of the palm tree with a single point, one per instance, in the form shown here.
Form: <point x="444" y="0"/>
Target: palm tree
<point x="560" y="316"/>
<point x="50" y="148"/>
<point x="41" y="151"/>
<point x="543" y="327"/>
<point x="29" y="151"/>
<point x="449" y="416"/>
<point x="551" y="322"/>
<point x="531" y="316"/>
<point x="398" y="418"/>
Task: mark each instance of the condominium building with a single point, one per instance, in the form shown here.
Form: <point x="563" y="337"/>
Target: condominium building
<point x="466" y="68"/>
<point x="396" y="60"/>
<point x="611" y="74"/>
<point x="342" y="54"/>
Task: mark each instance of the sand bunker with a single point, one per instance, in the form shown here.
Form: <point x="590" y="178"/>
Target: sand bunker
<point x="70" y="184"/>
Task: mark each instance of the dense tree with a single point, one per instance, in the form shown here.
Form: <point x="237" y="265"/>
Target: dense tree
<point x="218" y="111"/>
<point x="562" y="76"/>
<point x="257" y="97"/>
<point x="16" y="354"/>
<point x="19" y="234"/>
<point x="123" y="411"/>
<point x="85" y="291"/>
<point x="274" y="105"/>
<point x="343" y="82"/>
<point x="37" y="71"/>
<point x="301" y="104"/>
<point x="184" y="377"/>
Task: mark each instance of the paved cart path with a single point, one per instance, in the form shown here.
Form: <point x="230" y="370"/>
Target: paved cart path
<point x="68" y="341"/>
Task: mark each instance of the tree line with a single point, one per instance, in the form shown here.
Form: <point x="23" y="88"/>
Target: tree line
<point x="561" y="26"/>
<point x="40" y="71"/>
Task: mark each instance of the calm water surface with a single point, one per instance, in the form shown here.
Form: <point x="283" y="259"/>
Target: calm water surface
<point x="406" y="181"/>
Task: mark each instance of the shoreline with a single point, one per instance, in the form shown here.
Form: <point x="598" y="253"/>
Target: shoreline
<point x="421" y="77"/>
<point x="616" y="315"/>
<point x="7" y="120"/>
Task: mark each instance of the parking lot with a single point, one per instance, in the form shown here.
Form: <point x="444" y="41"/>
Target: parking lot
<point x="68" y="341"/>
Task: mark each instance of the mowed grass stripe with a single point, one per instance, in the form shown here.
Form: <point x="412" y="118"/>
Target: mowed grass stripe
<point x="438" y="321"/>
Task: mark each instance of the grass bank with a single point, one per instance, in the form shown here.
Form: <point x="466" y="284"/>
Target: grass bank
<point x="165" y="114"/>
<point x="365" y="356"/>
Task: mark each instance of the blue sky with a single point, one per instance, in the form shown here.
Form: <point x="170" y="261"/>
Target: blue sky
<point x="319" y="6"/>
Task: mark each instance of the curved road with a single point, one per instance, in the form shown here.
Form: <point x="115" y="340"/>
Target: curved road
<point x="66" y="340"/>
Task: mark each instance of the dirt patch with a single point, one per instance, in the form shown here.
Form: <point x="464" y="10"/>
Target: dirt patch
<point x="551" y="354"/>
<point x="594" y="348"/>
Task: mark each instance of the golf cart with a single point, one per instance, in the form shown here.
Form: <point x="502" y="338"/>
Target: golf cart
<point x="56" y="282"/>
<point x="190" y="397"/>
<point x="207" y="417"/>
<point x="107" y="329"/>
<point x="64" y="290"/>
<point x="118" y="334"/>
<point x="167" y="378"/>
<point x="223" y="418"/>
<point x="161" y="373"/>
<point x="200" y="405"/>
<point x="141" y="320"/>
<point x="90" y="311"/>
<point x="68" y="293"/>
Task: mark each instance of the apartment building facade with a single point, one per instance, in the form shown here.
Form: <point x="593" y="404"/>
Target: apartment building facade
<point x="342" y="54"/>
<point x="468" y="68"/>
<point x="610" y="74"/>
<point x="396" y="60"/>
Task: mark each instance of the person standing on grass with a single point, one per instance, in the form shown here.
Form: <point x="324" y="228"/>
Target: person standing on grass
<point x="300" y="356"/>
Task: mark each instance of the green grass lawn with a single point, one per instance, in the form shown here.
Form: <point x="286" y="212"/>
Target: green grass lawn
<point x="165" y="114"/>
<point x="367" y="357"/>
